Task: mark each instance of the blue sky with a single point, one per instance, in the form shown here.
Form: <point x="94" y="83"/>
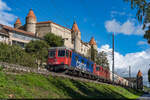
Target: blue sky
<point x="97" y="18"/>
<point x="90" y="16"/>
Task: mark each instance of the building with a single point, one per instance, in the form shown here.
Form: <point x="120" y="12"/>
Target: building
<point x="139" y="80"/>
<point x="71" y="37"/>
<point x="10" y="35"/>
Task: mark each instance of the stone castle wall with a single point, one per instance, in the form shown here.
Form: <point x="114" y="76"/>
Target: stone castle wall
<point x="43" y="29"/>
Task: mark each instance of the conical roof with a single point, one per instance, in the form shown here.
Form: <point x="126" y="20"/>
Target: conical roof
<point x="31" y="14"/>
<point x="139" y="74"/>
<point x="18" y="21"/>
<point x="75" y="27"/>
<point x="92" y="41"/>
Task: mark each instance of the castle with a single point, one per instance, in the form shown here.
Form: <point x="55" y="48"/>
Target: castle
<point x="71" y="37"/>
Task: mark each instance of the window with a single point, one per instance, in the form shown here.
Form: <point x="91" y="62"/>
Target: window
<point x="88" y="64"/>
<point x="97" y="68"/>
<point x="92" y="65"/>
<point x="82" y="61"/>
<point x="52" y="54"/>
<point x="70" y="54"/>
<point x="67" y="53"/>
<point x="61" y="53"/>
<point x="18" y="43"/>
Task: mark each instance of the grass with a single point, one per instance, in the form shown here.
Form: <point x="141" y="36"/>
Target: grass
<point x="39" y="86"/>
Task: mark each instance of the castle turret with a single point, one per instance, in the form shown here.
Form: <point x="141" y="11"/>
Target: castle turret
<point x="76" y="36"/>
<point x="31" y="22"/>
<point x="139" y="80"/>
<point x="93" y="49"/>
<point x="93" y="43"/>
<point x="17" y="23"/>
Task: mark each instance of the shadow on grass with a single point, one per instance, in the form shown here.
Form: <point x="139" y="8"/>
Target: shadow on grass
<point x="93" y="92"/>
<point x="85" y="91"/>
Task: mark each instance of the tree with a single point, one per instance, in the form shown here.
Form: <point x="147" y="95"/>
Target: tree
<point x="102" y="60"/>
<point x="149" y="75"/>
<point x="143" y="14"/>
<point x="53" y="40"/>
<point x="39" y="49"/>
<point x="16" y="55"/>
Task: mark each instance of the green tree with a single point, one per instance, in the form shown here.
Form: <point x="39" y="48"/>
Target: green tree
<point x="39" y="49"/>
<point x="16" y="55"/>
<point x="143" y="14"/>
<point x="53" y="40"/>
<point x="102" y="60"/>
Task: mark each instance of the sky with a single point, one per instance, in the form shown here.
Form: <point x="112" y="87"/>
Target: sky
<point x="97" y="18"/>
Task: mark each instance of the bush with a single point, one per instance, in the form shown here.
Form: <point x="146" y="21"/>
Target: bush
<point x="53" y="40"/>
<point x="16" y="55"/>
<point x="39" y="49"/>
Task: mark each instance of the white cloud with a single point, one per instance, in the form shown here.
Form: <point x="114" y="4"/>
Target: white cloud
<point x="137" y="61"/>
<point x="116" y="13"/>
<point x="142" y="43"/>
<point x="127" y="28"/>
<point x="5" y="17"/>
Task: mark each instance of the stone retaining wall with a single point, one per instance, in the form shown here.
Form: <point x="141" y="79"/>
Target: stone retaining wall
<point x="20" y="68"/>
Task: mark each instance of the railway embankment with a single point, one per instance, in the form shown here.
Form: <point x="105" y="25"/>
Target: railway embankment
<point x="14" y="84"/>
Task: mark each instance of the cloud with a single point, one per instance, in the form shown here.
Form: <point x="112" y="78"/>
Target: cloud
<point x="137" y="61"/>
<point x="116" y="13"/>
<point x="127" y="28"/>
<point x="142" y="43"/>
<point x="6" y="17"/>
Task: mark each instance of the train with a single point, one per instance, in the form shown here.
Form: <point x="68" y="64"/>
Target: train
<point x="72" y="63"/>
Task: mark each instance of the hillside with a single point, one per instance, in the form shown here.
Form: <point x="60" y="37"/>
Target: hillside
<point x="30" y="85"/>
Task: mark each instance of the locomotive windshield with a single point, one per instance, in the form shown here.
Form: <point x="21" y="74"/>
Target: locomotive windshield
<point x="52" y="54"/>
<point x="61" y="53"/>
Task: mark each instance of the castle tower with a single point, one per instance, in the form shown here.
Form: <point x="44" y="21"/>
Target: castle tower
<point x="93" y="43"/>
<point x="31" y="22"/>
<point x="139" y="80"/>
<point x="93" y="49"/>
<point x="17" y="23"/>
<point x="76" y="37"/>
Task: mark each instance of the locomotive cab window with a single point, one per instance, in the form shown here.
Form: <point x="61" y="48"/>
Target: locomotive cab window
<point x="52" y="54"/>
<point x="97" y="68"/>
<point x="67" y="53"/>
<point x="61" y="53"/>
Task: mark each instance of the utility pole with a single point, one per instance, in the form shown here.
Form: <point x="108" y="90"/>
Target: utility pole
<point x="129" y="71"/>
<point x="113" y="58"/>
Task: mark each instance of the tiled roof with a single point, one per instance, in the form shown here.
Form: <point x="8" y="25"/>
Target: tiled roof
<point x="31" y="14"/>
<point x="139" y="74"/>
<point x="46" y="22"/>
<point x="4" y="32"/>
<point x="92" y="41"/>
<point x="18" y="21"/>
<point x="75" y="27"/>
<point x="17" y="30"/>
